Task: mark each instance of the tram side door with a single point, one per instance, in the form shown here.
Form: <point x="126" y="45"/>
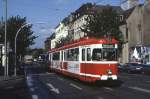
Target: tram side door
<point x="49" y="60"/>
<point x="61" y="59"/>
<point x="86" y="57"/>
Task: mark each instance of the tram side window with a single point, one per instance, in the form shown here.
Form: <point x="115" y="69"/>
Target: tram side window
<point x="76" y="54"/>
<point x="61" y="55"/>
<point x="88" y="54"/>
<point x="56" y="56"/>
<point x="83" y="54"/>
<point x="65" y="55"/>
<point x="97" y="54"/>
<point x="72" y="54"/>
<point x="69" y="55"/>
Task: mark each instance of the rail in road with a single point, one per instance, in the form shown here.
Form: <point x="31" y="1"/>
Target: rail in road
<point x="55" y="86"/>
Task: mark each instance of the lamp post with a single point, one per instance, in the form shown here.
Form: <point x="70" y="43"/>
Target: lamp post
<point x="5" y="42"/>
<point x="15" y="45"/>
<point x="15" y="73"/>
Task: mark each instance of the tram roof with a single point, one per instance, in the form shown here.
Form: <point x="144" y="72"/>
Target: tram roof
<point x="86" y="41"/>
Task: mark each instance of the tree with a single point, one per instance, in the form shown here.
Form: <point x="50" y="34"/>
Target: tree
<point x="25" y="37"/>
<point x="103" y="23"/>
<point x="64" y="40"/>
<point x="2" y="32"/>
<point x="36" y="52"/>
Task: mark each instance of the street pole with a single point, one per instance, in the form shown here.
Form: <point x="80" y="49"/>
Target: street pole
<point x="15" y="68"/>
<point x="6" y="63"/>
<point x="15" y="72"/>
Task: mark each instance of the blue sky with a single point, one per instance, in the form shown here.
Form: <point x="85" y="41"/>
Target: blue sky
<point x="51" y="12"/>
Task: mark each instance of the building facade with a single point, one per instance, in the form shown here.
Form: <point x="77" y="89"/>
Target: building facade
<point x="60" y="31"/>
<point x="72" y="24"/>
<point x="136" y="34"/>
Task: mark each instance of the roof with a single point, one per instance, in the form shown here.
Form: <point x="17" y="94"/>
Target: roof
<point x="86" y="41"/>
<point x="90" y="8"/>
<point x="128" y="12"/>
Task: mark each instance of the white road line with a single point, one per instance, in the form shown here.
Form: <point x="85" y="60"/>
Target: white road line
<point x="75" y="86"/>
<point x="148" y="81"/>
<point x="32" y="89"/>
<point x="107" y="88"/>
<point x="99" y="97"/>
<point x="60" y="78"/>
<point x="49" y="73"/>
<point x="10" y="87"/>
<point x="41" y="74"/>
<point x="140" y="89"/>
<point x="34" y="96"/>
<point x="29" y="81"/>
<point x="56" y="90"/>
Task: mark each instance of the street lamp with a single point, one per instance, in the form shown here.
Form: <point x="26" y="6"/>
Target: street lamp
<point x="15" y="73"/>
<point x="5" y="42"/>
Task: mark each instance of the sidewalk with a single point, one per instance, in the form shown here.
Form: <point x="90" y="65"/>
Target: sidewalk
<point x="13" y="88"/>
<point x="9" y="81"/>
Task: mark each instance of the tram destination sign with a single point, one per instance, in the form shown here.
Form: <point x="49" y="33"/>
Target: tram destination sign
<point x="108" y="45"/>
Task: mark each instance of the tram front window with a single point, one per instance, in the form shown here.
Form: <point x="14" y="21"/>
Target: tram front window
<point x="109" y="54"/>
<point x="106" y="54"/>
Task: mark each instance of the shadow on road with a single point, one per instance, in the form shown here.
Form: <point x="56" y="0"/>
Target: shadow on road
<point x="100" y="83"/>
<point x="13" y="89"/>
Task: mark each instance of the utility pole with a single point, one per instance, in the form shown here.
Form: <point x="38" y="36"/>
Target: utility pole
<point x="6" y="62"/>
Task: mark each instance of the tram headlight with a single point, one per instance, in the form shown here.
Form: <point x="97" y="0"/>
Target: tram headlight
<point x="109" y="72"/>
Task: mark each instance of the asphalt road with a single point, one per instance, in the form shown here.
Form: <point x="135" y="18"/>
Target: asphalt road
<point x="49" y="85"/>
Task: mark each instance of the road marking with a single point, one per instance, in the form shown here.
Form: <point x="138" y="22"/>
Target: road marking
<point x="148" y="81"/>
<point x="10" y="87"/>
<point x="75" y="86"/>
<point x="41" y="74"/>
<point x="140" y="89"/>
<point x="49" y="73"/>
<point x="107" y="88"/>
<point x="60" y="78"/>
<point x="99" y="97"/>
<point x="56" y="90"/>
<point x="29" y="81"/>
<point x="32" y="89"/>
<point x="34" y="96"/>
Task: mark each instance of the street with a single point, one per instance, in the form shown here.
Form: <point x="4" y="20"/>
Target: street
<point x="75" y="49"/>
<point x="49" y="85"/>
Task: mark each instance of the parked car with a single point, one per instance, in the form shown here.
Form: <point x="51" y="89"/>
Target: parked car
<point x="133" y="68"/>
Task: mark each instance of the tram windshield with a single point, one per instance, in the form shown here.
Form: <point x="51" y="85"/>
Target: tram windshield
<point x="105" y="54"/>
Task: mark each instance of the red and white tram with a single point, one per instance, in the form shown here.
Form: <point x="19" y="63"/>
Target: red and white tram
<point x="88" y="59"/>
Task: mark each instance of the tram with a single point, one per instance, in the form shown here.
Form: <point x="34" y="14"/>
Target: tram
<point x="87" y="59"/>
